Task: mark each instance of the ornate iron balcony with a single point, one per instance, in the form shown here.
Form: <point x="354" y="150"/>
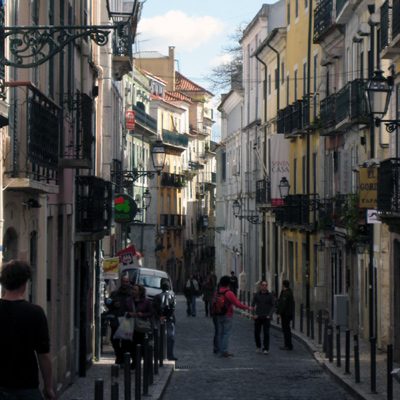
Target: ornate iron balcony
<point x="323" y="19"/>
<point x="389" y="188"/>
<point x="175" y="139"/>
<point x="145" y="120"/>
<point x="173" y="180"/>
<point x="172" y="221"/>
<point x="263" y="192"/>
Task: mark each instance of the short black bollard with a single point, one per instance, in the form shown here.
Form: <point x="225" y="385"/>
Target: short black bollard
<point x="325" y="343"/>
<point x="156" y="349"/>
<point x="98" y="389"/>
<point x="161" y="344"/>
<point x="308" y="319"/>
<point x="138" y="372"/>
<point x="338" y="352"/>
<point x="389" y="372"/>
<point x="312" y="324"/>
<point x="146" y="367"/>
<point x="114" y="391"/>
<point x="319" y="322"/>
<point x="347" y="353"/>
<point x="356" y="359"/>
<point x="151" y="366"/>
<point x="127" y="376"/>
<point x="330" y="342"/>
<point x="294" y="320"/>
<point x="301" y="317"/>
<point x="114" y="372"/>
<point x="373" y="364"/>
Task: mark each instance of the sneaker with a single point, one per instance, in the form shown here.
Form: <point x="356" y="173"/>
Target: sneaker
<point x="258" y="350"/>
<point x="265" y="351"/>
<point x="226" y="354"/>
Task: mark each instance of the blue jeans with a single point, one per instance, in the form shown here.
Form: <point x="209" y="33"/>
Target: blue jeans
<point x="193" y="306"/>
<point x="20" y="394"/>
<point x="224" y="332"/>
<point x="170" y="339"/>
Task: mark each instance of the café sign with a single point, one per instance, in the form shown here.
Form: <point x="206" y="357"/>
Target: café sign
<point x="125" y="208"/>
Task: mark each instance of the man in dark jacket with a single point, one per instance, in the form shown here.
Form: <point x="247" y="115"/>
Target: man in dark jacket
<point x="286" y="311"/>
<point x="264" y="303"/>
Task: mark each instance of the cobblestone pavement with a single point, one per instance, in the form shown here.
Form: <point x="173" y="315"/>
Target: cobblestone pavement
<point x="284" y="375"/>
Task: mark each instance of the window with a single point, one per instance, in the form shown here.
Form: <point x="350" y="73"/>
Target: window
<point x="288" y="13"/>
<point x="295" y="84"/>
<point x="304" y="173"/>
<point x="297" y="8"/>
<point x="305" y="3"/>
<point x="287" y="90"/>
<point x="315" y="84"/>
<point x="282" y="73"/>
<point x="295" y="176"/>
<point x="305" y="79"/>
<point x="269" y="84"/>
<point x="276" y="79"/>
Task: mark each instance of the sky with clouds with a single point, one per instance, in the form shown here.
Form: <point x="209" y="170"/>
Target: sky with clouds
<point x="199" y="30"/>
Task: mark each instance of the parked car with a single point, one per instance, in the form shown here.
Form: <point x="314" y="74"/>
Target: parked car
<point x="151" y="279"/>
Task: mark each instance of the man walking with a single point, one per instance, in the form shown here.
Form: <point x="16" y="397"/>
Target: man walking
<point x="191" y="291"/>
<point x="234" y="284"/>
<point x="264" y="303"/>
<point x="286" y="311"/>
<point x="24" y="339"/>
<point x="224" y="320"/>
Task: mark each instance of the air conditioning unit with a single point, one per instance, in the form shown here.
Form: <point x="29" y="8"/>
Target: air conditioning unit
<point x="341" y="310"/>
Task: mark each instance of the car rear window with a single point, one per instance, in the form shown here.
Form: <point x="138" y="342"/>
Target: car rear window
<point x="150" y="281"/>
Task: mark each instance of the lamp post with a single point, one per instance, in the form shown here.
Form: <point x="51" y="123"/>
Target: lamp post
<point x="252" y="216"/>
<point x="284" y="188"/>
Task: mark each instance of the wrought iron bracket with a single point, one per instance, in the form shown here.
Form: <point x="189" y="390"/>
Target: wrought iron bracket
<point x="130" y="176"/>
<point x="253" y="219"/>
<point x="391" y="124"/>
<point x="31" y="46"/>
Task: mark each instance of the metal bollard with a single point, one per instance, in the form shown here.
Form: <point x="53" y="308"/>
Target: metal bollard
<point x="156" y="348"/>
<point x="294" y="320"/>
<point x="151" y="365"/>
<point x="312" y="324"/>
<point x="301" y="317"/>
<point x="325" y="343"/>
<point x="98" y="389"/>
<point x="308" y="321"/>
<point x="138" y="371"/>
<point x="373" y="364"/>
<point x="114" y="372"/>
<point x="338" y="352"/>
<point x="347" y="353"/>
<point x="146" y="367"/>
<point x="127" y="376"/>
<point x="330" y="342"/>
<point x="319" y="321"/>
<point x="356" y="359"/>
<point x="114" y="391"/>
<point x="389" y="363"/>
<point x="161" y="344"/>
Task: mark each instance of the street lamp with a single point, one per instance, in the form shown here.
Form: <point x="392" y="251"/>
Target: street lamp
<point x="158" y="155"/>
<point x="378" y="92"/>
<point x="146" y="199"/>
<point x="31" y="46"/>
<point x="251" y="217"/>
<point x="284" y="187"/>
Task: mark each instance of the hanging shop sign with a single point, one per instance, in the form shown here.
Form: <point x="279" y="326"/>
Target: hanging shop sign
<point x="130" y="120"/>
<point x="368" y="187"/>
<point x="125" y="208"/>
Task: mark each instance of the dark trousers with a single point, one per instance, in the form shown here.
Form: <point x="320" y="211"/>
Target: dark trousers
<point x="120" y="346"/>
<point x="287" y="333"/>
<point x="264" y="324"/>
<point x="215" y="339"/>
<point x="138" y="338"/>
<point x="207" y="307"/>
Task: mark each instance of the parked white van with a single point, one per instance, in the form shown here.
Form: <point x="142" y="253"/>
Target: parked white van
<point x="151" y="279"/>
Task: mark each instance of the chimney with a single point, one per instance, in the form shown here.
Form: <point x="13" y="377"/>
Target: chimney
<point x="171" y="61"/>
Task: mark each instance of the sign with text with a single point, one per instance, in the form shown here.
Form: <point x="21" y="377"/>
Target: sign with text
<point x="130" y="120"/>
<point x="368" y="187"/>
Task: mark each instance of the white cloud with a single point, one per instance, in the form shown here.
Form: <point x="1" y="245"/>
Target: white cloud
<point x="175" y="28"/>
<point x="221" y="60"/>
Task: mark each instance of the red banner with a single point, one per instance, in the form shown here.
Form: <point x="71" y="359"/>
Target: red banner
<point x="130" y="120"/>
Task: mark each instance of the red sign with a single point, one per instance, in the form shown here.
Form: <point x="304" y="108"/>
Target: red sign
<point x="130" y="120"/>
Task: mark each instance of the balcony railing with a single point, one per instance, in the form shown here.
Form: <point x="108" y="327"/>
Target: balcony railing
<point x="328" y="112"/>
<point x="173" y="180"/>
<point x="390" y="26"/>
<point x="389" y="188"/>
<point x="324" y="19"/>
<point x="350" y="104"/>
<point x="33" y="156"/>
<point x="171" y="221"/>
<point x="79" y="138"/>
<point x="144" y="119"/>
<point x="290" y="119"/>
<point x="93" y="205"/>
<point x="325" y="215"/>
<point x="295" y="211"/>
<point x="175" y="139"/>
<point x="263" y="192"/>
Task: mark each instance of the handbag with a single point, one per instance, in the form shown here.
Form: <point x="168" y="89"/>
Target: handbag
<point x="142" y="325"/>
<point x="125" y="328"/>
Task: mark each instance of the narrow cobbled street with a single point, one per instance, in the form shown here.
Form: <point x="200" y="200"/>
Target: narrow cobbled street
<point x="248" y="375"/>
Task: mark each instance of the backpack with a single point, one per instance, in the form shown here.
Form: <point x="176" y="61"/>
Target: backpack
<point x="219" y="305"/>
<point x="167" y="305"/>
